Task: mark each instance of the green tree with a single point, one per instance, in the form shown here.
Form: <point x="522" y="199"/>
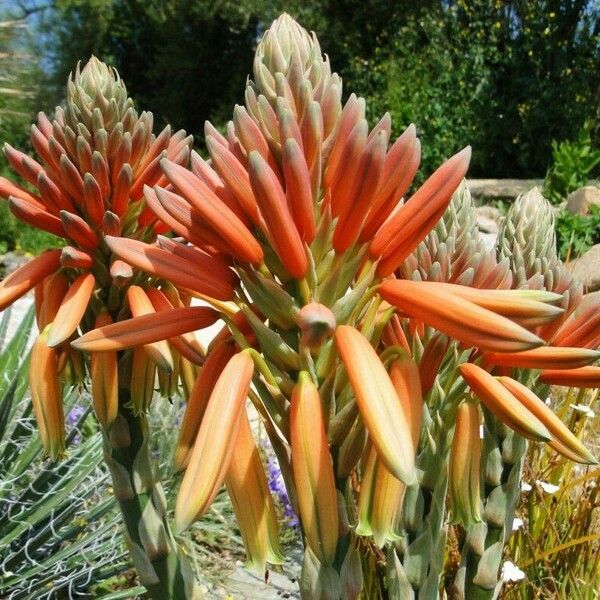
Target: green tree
<point x="508" y="77"/>
<point x="184" y="61"/>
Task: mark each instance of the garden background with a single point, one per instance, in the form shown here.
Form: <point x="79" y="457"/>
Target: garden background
<point x="518" y="80"/>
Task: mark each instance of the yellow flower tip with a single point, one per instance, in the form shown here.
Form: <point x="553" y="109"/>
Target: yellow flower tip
<point x="503" y="404"/>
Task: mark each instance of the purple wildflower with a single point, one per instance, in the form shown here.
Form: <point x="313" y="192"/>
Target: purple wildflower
<point x="73" y="417"/>
<point x="277" y="487"/>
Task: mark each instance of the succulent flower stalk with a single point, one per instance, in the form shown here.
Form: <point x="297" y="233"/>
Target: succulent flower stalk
<point x="356" y="314"/>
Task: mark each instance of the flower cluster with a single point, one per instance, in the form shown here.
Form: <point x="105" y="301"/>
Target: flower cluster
<point x="370" y="328"/>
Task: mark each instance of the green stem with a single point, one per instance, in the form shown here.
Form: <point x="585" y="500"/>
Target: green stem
<point x="162" y="568"/>
<point x="482" y="552"/>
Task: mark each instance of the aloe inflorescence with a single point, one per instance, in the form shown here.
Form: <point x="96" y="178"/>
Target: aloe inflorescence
<point x="369" y="327"/>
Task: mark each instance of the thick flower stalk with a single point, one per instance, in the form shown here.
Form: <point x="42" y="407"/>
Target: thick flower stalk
<point x="94" y="160"/>
<point x="346" y="330"/>
<point x="513" y="410"/>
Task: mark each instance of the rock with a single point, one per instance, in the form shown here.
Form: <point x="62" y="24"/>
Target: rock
<point x="507" y="189"/>
<point x="489" y="240"/>
<point x="586" y="268"/>
<point x="11" y="261"/>
<point x="579" y="201"/>
<point x="488" y="219"/>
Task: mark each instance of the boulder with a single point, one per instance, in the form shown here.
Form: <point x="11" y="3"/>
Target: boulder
<point x="579" y="201"/>
<point x="488" y="219"/>
<point x="586" y="268"/>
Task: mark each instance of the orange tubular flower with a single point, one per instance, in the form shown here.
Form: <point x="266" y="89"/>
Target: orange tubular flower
<point x="582" y="327"/>
<point x="275" y="210"/>
<point x="503" y="404"/>
<point x="431" y="359"/>
<point x="146" y="329"/>
<point x="382" y="494"/>
<point x="530" y="306"/>
<point x="399" y="170"/>
<point x="46" y="396"/>
<point x="214" y="446"/>
<point x="313" y="470"/>
<point x="457" y="317"/>
<point x="254" y="508"/>
<point x="378" y="402"/>
<point x="23" y="280"/>
<point x="546" y="357"/>
<point x="71" y="310"/>
<point x="207" y="276"/>
<point x="298" y="189"/>
<point x="365" y="182"/>
<point x="103" y="372"/>
<point x="215" y="213"/>
<point x="198" y="400"/>
<point x="584" y="377"/>
<point x="409" y="226"/>
<point x="49" y="295"/>
<point x="563" y="441"/>
<point x="464" y="467"/>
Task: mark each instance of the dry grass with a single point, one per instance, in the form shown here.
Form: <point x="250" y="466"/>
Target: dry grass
<point x="558" y="546"/>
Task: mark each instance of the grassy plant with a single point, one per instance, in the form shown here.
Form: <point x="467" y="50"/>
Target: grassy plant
<point x="558" y="546"/>
<point x="574" y="162"/>
<point x="575" y="234"/>
<point x="59" y="527"/>
<point x="58" y="532"/>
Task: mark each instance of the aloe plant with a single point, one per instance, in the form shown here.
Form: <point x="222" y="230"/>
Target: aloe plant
<point x="58" y="523"/>
<point x="370" y="331"/>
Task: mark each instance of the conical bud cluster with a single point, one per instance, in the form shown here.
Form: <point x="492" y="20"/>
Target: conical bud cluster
<point x="96" y="93"/>
<point x="454" y="251"/>
<point x="527" y="237"/>
<point x="95" y="158"/>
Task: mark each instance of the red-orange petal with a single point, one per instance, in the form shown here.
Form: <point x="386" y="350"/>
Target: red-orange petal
<point x="457" y="317"/>
<point x="274" y="209"/>
<point x="208" y="276"/>
<point x="432" y="196"/>
<point x="71" y="310"/>
<point x="25" y="278"/>
<point x="147" y="329"/>
<point x="584" y="377"/>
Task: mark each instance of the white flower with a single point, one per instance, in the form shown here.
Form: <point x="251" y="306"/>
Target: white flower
<point x="510" y="572"/>
<point x="582" y="408"/>
<point x="517" y="524"/>
<point x="525" y="487"/>
<point x="549" y="488"/>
